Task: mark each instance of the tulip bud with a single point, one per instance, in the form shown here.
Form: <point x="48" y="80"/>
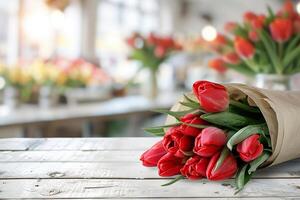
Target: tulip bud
<point x="152" y="155"/>
<point x="212" y="97"/>
<point x="253" y="36"/>
<point x="191" y="119"/>
<point x="230" y="27"/>
<point x="281" y="29"/>
<point x="287" y="10"/>
<point x="209" y="141"/>
<point x="258" y="22"/>
<point x="159" y="51"/>
<point x="177" y="143"/>
<point x="231" y="58"/>
<point x="170" y="165"/>
<point x="244" y="48"/>
<point x="218" y="65"/>
<point x="250" y="148"/>
<point x="227" y="169"/>
<point x="249" y="16"/>
<point x="219" y="42"/>
<point x="152" y="39"/>
<point x="195" y="168"/>
<point x="296" y="25"/>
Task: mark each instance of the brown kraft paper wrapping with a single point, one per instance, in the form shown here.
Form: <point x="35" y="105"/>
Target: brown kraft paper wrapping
<point x="281" y="110"/>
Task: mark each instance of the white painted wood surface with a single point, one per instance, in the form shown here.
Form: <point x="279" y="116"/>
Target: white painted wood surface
<point x="89" y="168"/>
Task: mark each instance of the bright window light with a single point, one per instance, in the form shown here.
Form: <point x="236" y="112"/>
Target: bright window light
<point x="209" y="33"/>
<point x="298" y="7"/>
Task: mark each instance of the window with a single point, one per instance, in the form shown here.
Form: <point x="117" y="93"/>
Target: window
<point x="117" y="19"/>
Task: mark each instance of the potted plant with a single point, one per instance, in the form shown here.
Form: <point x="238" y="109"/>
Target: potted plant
<point x="18" y="85"/>
<point x="150" y="52"/>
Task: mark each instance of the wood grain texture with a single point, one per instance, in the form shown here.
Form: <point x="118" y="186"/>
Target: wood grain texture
<point x="74" y="188"/>
<point x="115" y="170"/>
<point x="109" y="168"/>
<point x="84" y="144"/>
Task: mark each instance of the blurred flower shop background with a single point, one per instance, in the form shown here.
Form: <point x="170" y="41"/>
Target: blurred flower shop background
<point x="87" y="68"/>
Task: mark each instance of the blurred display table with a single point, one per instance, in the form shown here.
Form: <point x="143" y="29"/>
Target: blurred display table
<point x="123" y="107"/>
<point x="109" y="168"/>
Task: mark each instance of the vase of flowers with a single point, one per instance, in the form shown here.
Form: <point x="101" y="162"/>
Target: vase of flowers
<point x="49" y="79"/>
<point x="18" y="85"/>
<point x="266" y="47"/>
<point x="150" y="52"/>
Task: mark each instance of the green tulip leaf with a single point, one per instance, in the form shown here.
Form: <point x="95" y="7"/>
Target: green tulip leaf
<point x="189" y="99"/>
<point x="228" y="119"/>
<point x="258" y="162"/>
<point x="173" y="181"/>
<point x="241" y="68"/>
<point x="292" y="44"/>
<point x="244" y="107"/>
<point x="176" y="114"/>
<point x="245" y="132"/>
<point x="270" y="47"/>
<point x="159" y="130"/>
<point x="293" y="54"/>
<point x="242" y="178"/>
<point x="196" y="125"/>
<point x="190" y="105"/>
<point x="221" y="159"/>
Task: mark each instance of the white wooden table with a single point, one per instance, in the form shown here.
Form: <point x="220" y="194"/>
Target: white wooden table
<point x="109" y="168"/>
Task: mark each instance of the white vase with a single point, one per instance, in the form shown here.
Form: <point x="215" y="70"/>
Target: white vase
<point x="273" y="81"/>
<point x="47" y="97"/>
<point x="11" y="97"/>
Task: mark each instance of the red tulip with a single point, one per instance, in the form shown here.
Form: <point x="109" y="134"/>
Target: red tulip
<point x="288" y="10"/>
<point x="131" y="41"/>
<point x="218" y="65"/>
<point x="152" y="39"/>
<point x="244" y="48"/>
<point x="209" y="142"/>
<point x="159" y="51"/>
<point x="170" y="165"/>
<point x="230" y="27"/>
<point x="281" y="29"/>
<point x="253" y="36"/>
<point x="195" y="168"/>
<point x="191" y="119"/>
<point x="219" y="42"/>
<point x="250" y="148"/>
<point x="177" y="143"/>
<point x="249" y="16"/>
<point x="231" y="58"/>
<point x="212" y="97"/>
<point x="296" y="25"/>
<point x="258" y="22"/>
<point x="152" y="155"/>
<point x="227" y="169"/>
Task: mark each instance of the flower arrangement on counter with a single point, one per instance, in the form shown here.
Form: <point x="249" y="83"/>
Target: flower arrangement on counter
<point x="80" y="73"/>
<point x="267" y="44"/>
<point x="19" y="79"/>
<point x="224" y="131"/>
<point x="51" y="78"/>
<point x="151" y="51"/>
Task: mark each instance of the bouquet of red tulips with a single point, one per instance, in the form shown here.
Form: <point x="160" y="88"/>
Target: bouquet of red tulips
<point x="152" y="50"/>
<point x="268" y="44"/>
<point x="224" y="131"/>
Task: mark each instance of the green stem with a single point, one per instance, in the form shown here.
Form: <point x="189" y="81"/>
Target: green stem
<point x="173" y="181"/>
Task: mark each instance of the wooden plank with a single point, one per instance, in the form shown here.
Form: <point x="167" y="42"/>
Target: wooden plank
<point x="74" y="188"/>
<point x="132" y="170"/>
<point x="71" y="156"/>
<point x="18" y="144"/>
<point x="79" y="156"/>
<point x="85" y="144"/>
